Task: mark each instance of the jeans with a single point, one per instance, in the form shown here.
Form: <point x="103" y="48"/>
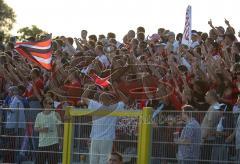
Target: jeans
<point x="12" y="143"/>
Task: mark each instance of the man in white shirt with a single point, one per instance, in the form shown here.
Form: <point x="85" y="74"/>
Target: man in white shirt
<point x="195" y="42"/>
<point x="172" y="44"/>
<point x="101" y="57"/>
<point x="209" y="124"/>
<point x="103" y="127"/>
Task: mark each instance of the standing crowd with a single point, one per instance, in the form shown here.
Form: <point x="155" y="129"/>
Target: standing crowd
<point x="103" y="73"/>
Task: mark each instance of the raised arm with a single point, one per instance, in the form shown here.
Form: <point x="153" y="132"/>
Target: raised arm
<point x="86" y="94"/>
<point x="231" y="29"/>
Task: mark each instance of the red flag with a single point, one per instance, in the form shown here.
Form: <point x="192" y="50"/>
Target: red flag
<point x="102" y="82"/>
<point x="39" y="52"/>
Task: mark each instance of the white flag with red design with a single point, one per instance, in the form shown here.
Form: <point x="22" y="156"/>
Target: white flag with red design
<point x="187" y="34"/>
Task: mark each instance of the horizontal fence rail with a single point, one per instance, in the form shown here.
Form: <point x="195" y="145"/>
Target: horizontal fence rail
<point x="162" y="132"/>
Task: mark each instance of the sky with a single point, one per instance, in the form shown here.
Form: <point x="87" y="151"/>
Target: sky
<point x="69" y="17"/>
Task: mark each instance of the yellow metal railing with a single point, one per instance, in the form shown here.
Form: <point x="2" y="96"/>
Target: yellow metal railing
<point x="144" y="137"/>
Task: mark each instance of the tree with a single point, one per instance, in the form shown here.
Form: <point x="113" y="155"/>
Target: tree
<point x="27" y="32"/>
<point x="7" y="17"/>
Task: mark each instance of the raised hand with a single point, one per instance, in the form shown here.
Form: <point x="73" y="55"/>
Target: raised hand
<point x="210" y="22"/>
<point x="227" y="22"/>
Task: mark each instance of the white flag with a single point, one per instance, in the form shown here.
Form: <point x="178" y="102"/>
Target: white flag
<point x="187" y="34"/>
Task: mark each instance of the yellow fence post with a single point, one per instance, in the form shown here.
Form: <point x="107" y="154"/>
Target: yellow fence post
<point x="146" y="137"/>
<point x="67" y="140"/>
<point x="139" y="140"/>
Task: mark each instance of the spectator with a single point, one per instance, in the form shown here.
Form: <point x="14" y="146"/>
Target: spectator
<point x="130" y="35"/>
<point x="236" y="135"/>
<point x="103" y="128"/>
<point x="84" y="37"/>
<point x="209" y="123"/>
<point x="195" y="42"/>
<point x="48" y="125"/>
<point x="190" y="138"/>
<point x="15" y="126"/>
<point x="102" y="58"/>
<point x="115" y="158"/>
<point x="219" y="148"/>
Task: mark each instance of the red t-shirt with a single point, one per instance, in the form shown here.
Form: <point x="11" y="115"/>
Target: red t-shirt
<point x="74" y="91"/>
<point x="39" y="86"/>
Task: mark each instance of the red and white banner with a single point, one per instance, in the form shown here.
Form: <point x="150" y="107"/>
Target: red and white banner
<point x="187" y="34"/>
<point x="39" y="52"/>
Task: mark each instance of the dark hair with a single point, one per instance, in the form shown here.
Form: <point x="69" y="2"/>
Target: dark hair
<point x="179" y="36"/>
<point x="112" y="40"/>
<point x="201" y="84"/>
<point x="101" y="36"/>
<point x="111" y="35"/>
<point x="194" y="31"/>
<point x="92" y="37"/>
<point x="141" y="29"/>
<point x="161" y="29"/>
<point x="99" y="43"/>
<point x="70" y="40"/>
<point x="118" y="155"/>
<point x="21" y="89"/>
<point x="199" y="33"/>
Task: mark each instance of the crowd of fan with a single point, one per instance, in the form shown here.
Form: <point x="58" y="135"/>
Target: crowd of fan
<point x="201" y="77"/>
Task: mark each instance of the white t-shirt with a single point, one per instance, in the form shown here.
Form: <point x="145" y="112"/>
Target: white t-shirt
<point x="175" y="46"/>
<point x="51" y="121"/>
<point x="103" y="127"/>
<point x="104" y="60"/>
<point x="194" y="44"/>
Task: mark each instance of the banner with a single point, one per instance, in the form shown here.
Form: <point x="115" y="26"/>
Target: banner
<point x="39" y="52"/>
<point x="187" y="34"/>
